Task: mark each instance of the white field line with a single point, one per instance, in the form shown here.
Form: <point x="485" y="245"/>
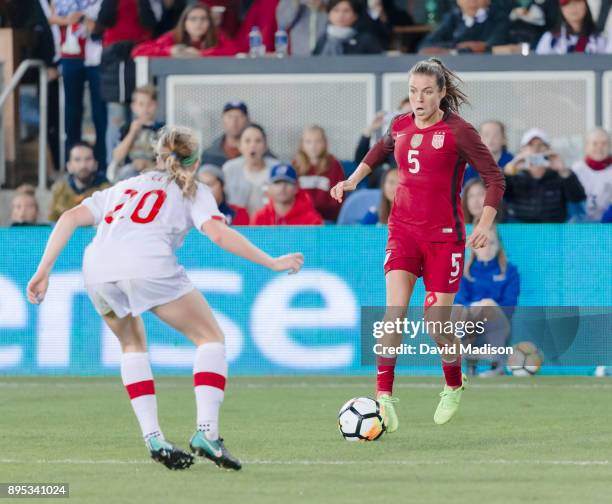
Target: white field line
<point x="298" y="462"/>
<point x="306" y="385"/>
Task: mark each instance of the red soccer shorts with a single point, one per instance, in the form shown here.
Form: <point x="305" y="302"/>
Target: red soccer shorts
<point x="439" y="263"/>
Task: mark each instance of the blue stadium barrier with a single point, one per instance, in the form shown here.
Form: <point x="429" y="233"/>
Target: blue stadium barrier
<point x="274" y="323"/>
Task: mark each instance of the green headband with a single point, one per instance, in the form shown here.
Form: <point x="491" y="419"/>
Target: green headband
<point x="189" y="161"/>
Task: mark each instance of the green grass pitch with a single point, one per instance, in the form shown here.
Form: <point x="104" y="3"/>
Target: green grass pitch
<point x="513" y="441"/>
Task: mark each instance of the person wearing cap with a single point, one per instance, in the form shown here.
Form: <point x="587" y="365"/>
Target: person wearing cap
<point x="225" y="147"/>
<point x="595" y="173"/>
<point x="213" y="177"/>
<point x="538" y="184"/>
<point x="288" y="205"/>
<point x="576" y="32"/>
<point x="235" y="118"/>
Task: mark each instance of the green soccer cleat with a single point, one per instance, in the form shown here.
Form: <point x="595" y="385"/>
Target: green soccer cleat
<point x="449" y="403"/>
<point x="388" y="412"/>
<point x="166" y="453"/>
<point x="213" y="450"/>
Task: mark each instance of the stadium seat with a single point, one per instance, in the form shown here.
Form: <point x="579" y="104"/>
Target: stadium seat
<point x="357" y="205"/>
<point x="349" y="167"/>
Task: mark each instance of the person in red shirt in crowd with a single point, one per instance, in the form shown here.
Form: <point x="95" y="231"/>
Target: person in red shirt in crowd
<point x="214" y="178"/>
<point x="195" y="35"/>
<point x="126" y="20"/>
<point x="318" y="171"/>
<point x="289" y="205"/>
<point x="261" y="13"/>
<point x="426" y="229"/>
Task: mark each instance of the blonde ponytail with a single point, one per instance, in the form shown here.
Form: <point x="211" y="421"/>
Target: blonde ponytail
<point x="182" y="157"/>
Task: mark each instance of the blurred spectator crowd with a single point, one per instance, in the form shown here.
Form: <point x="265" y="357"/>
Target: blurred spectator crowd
<point x="92" y="44"/>
<point x="252" y="186"/>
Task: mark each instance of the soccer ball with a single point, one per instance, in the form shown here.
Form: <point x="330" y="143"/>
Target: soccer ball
<point x="525" y="360"/>
<point x="360" y="420"/>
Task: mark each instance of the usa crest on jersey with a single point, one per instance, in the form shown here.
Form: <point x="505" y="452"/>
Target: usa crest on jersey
<point x="437" y="141"/>
<point x="416" y="140"/>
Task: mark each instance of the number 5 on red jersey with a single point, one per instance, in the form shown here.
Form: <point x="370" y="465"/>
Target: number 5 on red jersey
<point x="413" y="161"/>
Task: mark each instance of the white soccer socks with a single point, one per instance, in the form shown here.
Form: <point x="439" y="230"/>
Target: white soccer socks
<point x="137" y="378"/>
<point x="209" y="375"/>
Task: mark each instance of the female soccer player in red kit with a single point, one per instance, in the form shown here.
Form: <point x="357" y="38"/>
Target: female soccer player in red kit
<point x="426" y="230"/>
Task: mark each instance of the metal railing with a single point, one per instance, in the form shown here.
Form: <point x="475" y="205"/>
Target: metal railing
<point x="42" y="125"/>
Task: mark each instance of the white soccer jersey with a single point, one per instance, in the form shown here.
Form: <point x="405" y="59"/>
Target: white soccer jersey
<point x="597" y="186"/>
<point x="141" y="222"/>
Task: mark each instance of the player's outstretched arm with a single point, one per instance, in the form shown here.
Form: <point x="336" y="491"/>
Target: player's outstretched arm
<point x="350" y="184"/>
<point x="63" y="230"/>
<point x="232" y="241"/>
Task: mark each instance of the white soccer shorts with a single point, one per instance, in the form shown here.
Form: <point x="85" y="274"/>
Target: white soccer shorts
<point x="138" y="295"/>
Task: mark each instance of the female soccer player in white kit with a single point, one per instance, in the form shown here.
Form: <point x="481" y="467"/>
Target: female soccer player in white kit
<point x="131" y="267"/>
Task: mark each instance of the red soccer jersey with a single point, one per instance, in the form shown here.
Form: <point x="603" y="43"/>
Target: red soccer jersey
<point x="431" y="163"/>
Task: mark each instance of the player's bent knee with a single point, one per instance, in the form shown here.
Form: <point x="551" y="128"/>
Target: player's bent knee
<point x="132" y="342"/>
<point x="132" y="347"/>
<point x="199" y="337"/>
